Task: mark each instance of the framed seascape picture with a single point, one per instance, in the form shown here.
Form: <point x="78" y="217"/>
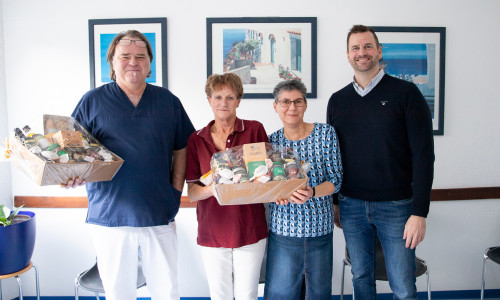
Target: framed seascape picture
<point x="102" y="32"/>
<point x="417" y="54"/>
<point x="263" y="52"/>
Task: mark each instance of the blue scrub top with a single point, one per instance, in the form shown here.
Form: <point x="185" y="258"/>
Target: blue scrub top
<point x="145" y="137"/>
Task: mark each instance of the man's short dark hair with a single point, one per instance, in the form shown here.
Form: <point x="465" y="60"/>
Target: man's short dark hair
<point x="361" y="29"/>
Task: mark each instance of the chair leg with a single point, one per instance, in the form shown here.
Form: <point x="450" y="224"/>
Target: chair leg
<point x="341" y="283"/>
<point x="76" y="290"/>
<point x="37" y="280"/>
<point x="483" y="279"/>
<point x="20" y="288"/>
<point x="428" y="285"/>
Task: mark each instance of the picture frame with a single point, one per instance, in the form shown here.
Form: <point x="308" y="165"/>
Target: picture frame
<point x="417" y="54"/>
<point x="264" y="51"/>
<point x="101" y="33"/>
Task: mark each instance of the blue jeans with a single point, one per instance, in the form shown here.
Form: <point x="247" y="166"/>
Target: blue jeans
<point x="362" y="221"/>
<point x="292" y="261"/>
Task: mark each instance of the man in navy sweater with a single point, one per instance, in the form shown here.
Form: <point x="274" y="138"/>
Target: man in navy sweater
<point x="385" y="134"/>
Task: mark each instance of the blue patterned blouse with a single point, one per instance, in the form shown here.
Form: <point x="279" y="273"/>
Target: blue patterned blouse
<point x="315" y="217"/>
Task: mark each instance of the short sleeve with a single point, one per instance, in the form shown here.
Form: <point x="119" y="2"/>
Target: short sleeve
<point x="184" y="127"/>
<point x="193" y="171"/>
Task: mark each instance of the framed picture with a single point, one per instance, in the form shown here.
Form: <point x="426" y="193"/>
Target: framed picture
<point x="417" y="54"/>
<point x="102" y="32"/>
<point x="263" y="52"/>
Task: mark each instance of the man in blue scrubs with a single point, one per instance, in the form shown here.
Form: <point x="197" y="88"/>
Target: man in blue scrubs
<point x="132" y="216"/>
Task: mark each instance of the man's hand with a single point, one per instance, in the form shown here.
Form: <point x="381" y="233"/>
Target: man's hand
<point x="336" y="216"/>
<point x="73" y="183"/>
<point x="414" y="231"/>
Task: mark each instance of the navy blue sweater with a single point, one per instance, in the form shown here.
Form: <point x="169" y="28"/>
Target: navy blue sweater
<point x="386" y="143"/>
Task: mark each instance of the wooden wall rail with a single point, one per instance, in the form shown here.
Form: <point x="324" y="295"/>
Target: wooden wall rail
<point x="81" y="202"/>
<point x="69" y="202"/>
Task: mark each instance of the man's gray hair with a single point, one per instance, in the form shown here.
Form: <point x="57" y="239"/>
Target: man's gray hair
<point x="290" y="85"/>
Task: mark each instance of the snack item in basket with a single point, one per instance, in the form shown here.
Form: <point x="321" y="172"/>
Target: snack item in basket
<point x="207" y="178"/>
<point x="261" y="174"/>
<point x="278" y="170"/>
<point x="240" y="175"/>
<point x="292" y="169"/>
<point x="104" y="153"/>
<point x="254" y="156"/>
<point x="66" y="138"/>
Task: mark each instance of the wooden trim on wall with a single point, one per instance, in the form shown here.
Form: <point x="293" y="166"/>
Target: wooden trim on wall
<point x="82" y="202"/>
<point x="68" y="202"/>
<point x="476" y="193"/>
<point x="51" y="202"/>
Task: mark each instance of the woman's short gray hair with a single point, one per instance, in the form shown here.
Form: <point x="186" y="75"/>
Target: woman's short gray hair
<point x="290" y="85"/>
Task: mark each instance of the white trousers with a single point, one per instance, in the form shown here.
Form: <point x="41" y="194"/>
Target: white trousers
<point x="118" y="250"/>
<point x="233" y="272"/>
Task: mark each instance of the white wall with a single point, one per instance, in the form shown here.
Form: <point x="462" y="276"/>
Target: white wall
<point x="47" y="71"/>
<point x="5" y="178"/>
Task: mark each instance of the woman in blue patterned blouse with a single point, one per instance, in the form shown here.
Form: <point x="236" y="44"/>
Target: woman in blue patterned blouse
<point x="301" y="227"/>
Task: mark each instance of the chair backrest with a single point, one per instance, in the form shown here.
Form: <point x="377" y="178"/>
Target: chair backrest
<point x="380" y="270"/>
<point x="91" y="280"/>
<point x="493" y="253"/>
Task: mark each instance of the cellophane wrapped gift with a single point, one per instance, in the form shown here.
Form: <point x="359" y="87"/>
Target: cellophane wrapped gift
<point x="255" y="173"/>
<point x="65" y="151"/>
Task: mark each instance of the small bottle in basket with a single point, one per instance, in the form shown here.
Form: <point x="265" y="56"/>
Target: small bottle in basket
<point x="27" y="142"/>
<point x="39" y="139"/>
<point x="20" y="135"/>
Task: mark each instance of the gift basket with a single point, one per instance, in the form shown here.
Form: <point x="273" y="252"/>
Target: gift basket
<point x="65" y="150"/>
<point x="255" y="173"/>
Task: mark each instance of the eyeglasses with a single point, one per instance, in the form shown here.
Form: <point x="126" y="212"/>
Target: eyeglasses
<point x="126" y="42"/>
<point x="287" y="103"/>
